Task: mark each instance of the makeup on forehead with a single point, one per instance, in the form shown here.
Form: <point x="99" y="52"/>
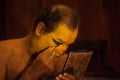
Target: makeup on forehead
<point x="62" y="34"/>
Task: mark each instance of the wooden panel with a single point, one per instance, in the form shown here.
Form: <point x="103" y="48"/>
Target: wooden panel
<point x="2" y="19"/>
<point x="113" y="8"/>
<point x="20" y="16"/>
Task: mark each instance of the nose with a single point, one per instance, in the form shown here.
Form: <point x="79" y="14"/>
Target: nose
<point x="60" y="50"/>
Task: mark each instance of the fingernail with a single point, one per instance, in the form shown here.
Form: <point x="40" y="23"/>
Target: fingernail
<point x="65" y="74"/>
<point x="60" y="75"/>
<point x="57" y="78"/>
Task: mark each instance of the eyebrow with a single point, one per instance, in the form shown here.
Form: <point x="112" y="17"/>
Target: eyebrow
<point x="57" y="41"/>
<point x="61" y="41"/>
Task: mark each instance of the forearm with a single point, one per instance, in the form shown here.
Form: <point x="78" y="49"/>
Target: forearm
<point x="35" y="71"/>
<point x="40" y="67"/>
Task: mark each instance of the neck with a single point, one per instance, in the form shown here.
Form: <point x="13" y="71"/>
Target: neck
<point x="34" y="43"/>
<point x="27" y="43"/>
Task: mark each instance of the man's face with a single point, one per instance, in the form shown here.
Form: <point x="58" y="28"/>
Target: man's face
<point x="60" y="38"/>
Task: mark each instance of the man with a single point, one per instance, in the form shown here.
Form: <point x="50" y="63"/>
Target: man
<point x="34" y="56"/>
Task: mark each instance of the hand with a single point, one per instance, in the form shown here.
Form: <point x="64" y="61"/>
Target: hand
<point x="43" y="64"/>
<point x="65" y="76"/>
<point x="47" y="58"/>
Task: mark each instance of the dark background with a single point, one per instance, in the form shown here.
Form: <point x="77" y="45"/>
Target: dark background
<point x="99" y="28"/>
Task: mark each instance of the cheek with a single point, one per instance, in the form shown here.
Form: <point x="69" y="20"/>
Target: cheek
<point x="46" y="41"/>
<point x="42" y="45"/>
<point x="51" y="43"/>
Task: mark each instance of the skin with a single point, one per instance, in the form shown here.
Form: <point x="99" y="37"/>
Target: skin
<point x="62" y="36"/>
<point x="15" y="54"/>
<point x="65" y="76"/>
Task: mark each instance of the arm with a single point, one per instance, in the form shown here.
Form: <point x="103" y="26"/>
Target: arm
<point x="2" y="70"/>
<point x="40" y="66"/>
<point x="2" y="66"/>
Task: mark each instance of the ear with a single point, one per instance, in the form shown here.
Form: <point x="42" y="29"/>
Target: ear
<point x="40" y="28"/>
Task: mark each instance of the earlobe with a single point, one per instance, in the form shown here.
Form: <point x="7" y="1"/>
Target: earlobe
<point x="40" y="28"/>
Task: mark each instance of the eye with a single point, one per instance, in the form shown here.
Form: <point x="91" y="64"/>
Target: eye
<point x="56" y="42"/>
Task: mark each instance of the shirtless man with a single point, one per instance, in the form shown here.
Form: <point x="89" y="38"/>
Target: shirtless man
<point x="32" y="57"/>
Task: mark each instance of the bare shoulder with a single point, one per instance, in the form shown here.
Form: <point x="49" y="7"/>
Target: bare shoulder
<point x="6" y="47"/>
<point x="10" y="47"/>
<point x="13" y="53"/>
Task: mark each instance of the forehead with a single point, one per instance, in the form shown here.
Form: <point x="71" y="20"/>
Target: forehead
<point x="64" y="33"/>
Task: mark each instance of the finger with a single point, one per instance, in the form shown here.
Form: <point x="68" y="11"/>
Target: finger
<point x="63" y="77"/>
<point x="69" y="76"/>
<point x="47" y="53"/>
<point x="57" y="78"/>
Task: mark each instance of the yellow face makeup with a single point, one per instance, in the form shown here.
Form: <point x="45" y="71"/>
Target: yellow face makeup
<point x="60" y="38"/>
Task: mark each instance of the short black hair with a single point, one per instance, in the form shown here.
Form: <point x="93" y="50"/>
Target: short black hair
<point x="54" y="14"/>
